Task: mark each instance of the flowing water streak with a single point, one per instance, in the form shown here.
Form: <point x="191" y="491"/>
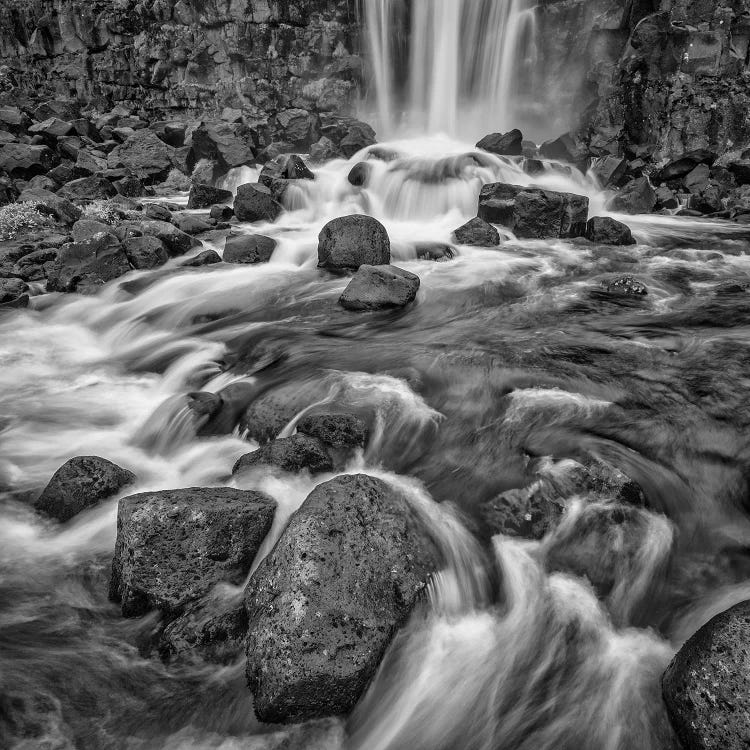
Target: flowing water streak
<point x="446" y="89"/>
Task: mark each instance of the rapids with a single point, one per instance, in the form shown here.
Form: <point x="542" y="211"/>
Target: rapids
<point x="509" y="355"/>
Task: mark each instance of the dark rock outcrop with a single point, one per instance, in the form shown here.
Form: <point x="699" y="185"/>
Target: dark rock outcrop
<point x="324" y="605"/>
<point x="503" y="144"/>
<point x="204" y="196"/>
<point x="173" y="546"/>
<point x="707" y="686"/>
<point x="337" y="429"/>
<point x="637" y="197"/>
<point x="349" y="242"/>
<point x="80" y="483"/>
<point x="477" y="233"/>
<point x="255" y="202"/>
<point x="534" y="212"/>
<point x="144" y="253"/>
<point x="248" y="248"/>
<point x="291" y="454"/>
<point x="607" y="231"/>
<point x="380" y="287"/>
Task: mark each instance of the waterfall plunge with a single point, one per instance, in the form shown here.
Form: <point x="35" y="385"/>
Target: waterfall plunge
<point x="468" y="64"/>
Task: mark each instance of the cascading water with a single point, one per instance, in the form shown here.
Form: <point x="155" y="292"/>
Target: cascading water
<point x="469" y="64"/>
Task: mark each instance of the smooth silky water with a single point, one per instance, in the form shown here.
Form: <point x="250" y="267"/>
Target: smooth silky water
<point x="509" y="356"/>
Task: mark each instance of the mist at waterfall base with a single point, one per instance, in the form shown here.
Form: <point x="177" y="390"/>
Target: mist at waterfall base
<point x="509" y="355"/>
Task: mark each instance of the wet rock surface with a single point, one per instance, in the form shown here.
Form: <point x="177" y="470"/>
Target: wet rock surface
<point x="291" y="454"/>
<point x="324" y="605"/>
<point x="349" y="242"/>
<point x="380" y="287"/>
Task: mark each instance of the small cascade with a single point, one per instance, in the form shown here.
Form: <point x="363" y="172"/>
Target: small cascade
<point x="444" y="88"/>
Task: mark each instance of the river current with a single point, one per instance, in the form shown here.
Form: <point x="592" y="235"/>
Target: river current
<point x="509" y="356"/>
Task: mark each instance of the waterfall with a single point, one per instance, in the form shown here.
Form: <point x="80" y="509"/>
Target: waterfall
<point x="467" y="64"/>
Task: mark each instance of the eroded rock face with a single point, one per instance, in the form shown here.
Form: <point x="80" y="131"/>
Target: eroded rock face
<point x="324" y="605"/>
<point x="174" y="546"/>
<point x="707" y="685"/>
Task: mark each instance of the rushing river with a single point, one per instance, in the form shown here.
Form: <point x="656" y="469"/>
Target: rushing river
<point x="507" y="354"/>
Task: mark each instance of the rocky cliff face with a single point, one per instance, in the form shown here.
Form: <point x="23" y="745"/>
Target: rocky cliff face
<point x="669" y="76"/>
<point x="182" y="56"/>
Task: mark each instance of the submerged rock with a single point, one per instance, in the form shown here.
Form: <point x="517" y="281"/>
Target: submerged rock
<point x="291" y="454"/>
<point x="339" y="430"/>
<point x="534" y="213"/>
<point x="80" y="483"/>
<point x="707" y="686"/>
<point x="173" y="546"/>
<point x="349" y="242"/>
<point x="437" y="251"/>
<point x="380" y="287"/>
<point x="248" y="248"/>
<point x="477" y="233"/>
<point x="607" y="231"/>
<point x="504" y="144"/>
<point x="324" y="605"/>
<point x="627" y="285"/>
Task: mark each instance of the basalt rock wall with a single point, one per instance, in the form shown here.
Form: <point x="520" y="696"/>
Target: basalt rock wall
<point x="667" y="75"/>
<point x="176" y="57"/>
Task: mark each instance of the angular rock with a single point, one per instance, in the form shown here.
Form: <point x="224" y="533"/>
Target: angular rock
<point x="291" y="454"/>
<point x="504" y="144"/>
<point x="283" y="167"/>
<point x="607" y="231"/>
<point x="204" y="196"/>
<point x="176" y="241"/>
<point x="326" y="602"/>
<point x="145" y="253"/>
<point x="11" y="290"/>
<point x="24" y="160"/>
<point x="534" y="213"/>
<point x="173" y="546"/>
<point x="255" y="202"/>
<point x="359" y="135"/>
<point x="477" y="233"/>
<point x="609" y="170"/>
<point x="85" y="266"/>
<point x="706" y="687"/>
<point x="86" y="189"/>
<point x="145" y="154"/>
<point x="221" y="212"/>
<point x="565" y="148"/>
<point x="228" y="144"/>
<point x="85" y="229"/>
<point x="80" y="483"/>
<point x="53" y="127"/>
<point x="206" y="258"/>
<point x="53" y="204"/>
<point x="380" y="287"/>
<point x="684" y="164"/>
<point x="248" y="248"/>
<point x="191" y="224"/>
<point x="437" y="251"/>
<point x="337" y="429"/>
<point x="348" y="242"/>
<point x="157" y="212"/>
<point x="637" y="197"/>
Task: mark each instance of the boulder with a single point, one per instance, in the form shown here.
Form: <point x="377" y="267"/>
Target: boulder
<point x="477" y="233"/>
<point x="504" y="144"/>
<point x="86" y="189"/>
<point x="741" y="171"/>
<point x="85" y="266"/>
<point x="359" y="135"/>
<point x="666" y="198"/>
<point x="25" y="160"/>
<point x="157" y="212"/>
<point x="221" y="212"/>
<point x="285" y="168"/>
<point x="11" y="290"/>
<point x="607" y="231"/>
<point x="608" y="170"/>
<point x="326" y="602"/>
<point x="229" y="144"/>
<point x="52" y="204"/>
<point x="534" y="213"/>
<point x="684" y="164"/>
<point x="637" y="197"/>
<point x="130" y="187"/>
<point x="348" y="242"/>
<point x="191" y="224"/>
<point x="80" y="483"/>
<point x="706" y="687"/>
<point x="205" y="258"/>
<point x="145" y="154"/>
<point x="248" y="248"/>
<point x="437" y="251"/>
<point x="565" y="148"/>
<point x="359" y="175"/>
<point x="174" y="546"/>
<point x="85" y="229"/>
<point x="204" y="196"/>
<point x="176" y="241"/>
<point x="291" y="454"/>
<point x="380" y="287"/>
<point x="297" y="126"/>
<point x="145" y="252"/>
<point x="255" y="202"/>
<point x="337" y="429"/>
<point x="52" y="127"/>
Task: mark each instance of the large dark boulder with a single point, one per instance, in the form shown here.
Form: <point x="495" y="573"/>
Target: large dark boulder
<point x="337" y="429"/>
<point x="175" y="240"/>
<point x="144" y="154"/>
<point x="229" y="144"/>
<point x="52" y="127"/>
<point x="52" y="204"/>
<point x="324" y="605"/>
<point x="567" y="149"/>
<point x="85" y="266"/>
<point x="24" y="160"/>
<point x="255" y="202"/>
<point x="637" y="197"/>
<point x="204" y="196"/>
<point x="248" y="248"/>
<point x="358" y="135"/>
<point x="609" y="170"/>
<point x="173" y="546"/>
<point x="86" y="189"/>
<point x="285" y="167"/>
<point x="607" y="231"/>
<point x="477" y="233"/>
<point x="348" y="242"/>
<point x="80" y="483"/>
<point x="145" y="252"/>
<point x="684" y="164"/>
<point x="291" y="454"/>
<point x="707" y="686"/>
<point x="380" y="287"/>
<point x="503" y="144"/>
<point x="205" y="258"/>
<point x="534" y="213"/>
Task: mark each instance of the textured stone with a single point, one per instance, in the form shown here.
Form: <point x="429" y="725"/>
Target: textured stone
<point x="248" y="248"/>
<point x="292" y="454"/>
<point x="380" y="287"/>
<point x="477" y="233"/>
<point x="255" y="202"/>
<point x="348" y="242"/>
